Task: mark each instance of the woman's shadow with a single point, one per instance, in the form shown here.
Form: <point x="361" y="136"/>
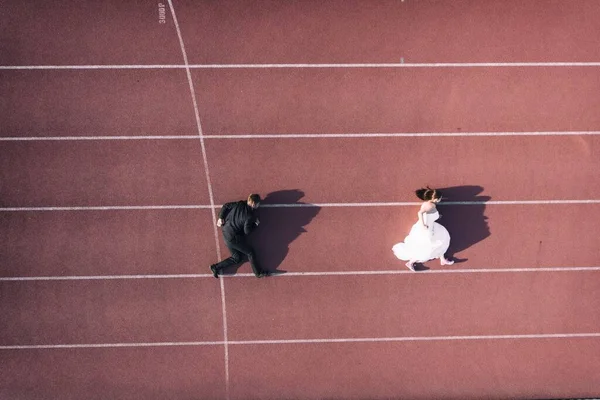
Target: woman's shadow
<point x="282" y="220"/>
<point x="462" y="210"/>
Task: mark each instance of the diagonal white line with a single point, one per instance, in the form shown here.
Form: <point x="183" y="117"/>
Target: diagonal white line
<point x="210" y="191"/>
<point x="198" y="124"/>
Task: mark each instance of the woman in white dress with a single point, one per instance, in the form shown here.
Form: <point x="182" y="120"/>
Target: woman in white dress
<point x="427" y="239"/>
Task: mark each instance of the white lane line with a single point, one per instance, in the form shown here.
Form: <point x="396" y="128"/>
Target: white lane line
<point x="78" y="67"/>
<point x="430" y="271"/>
<point x="225" y="333"/>
<point x="304" y="65"/>
<point x="445" y="203"/>
<point x="310" y="341"/>
<point x="302" y="205"/>
<point x="107" y="345"/>
<point x="400" y="135"/>
<point x="420" y="338"/>
<point x="103" y="277"/>
<point x="210" y="191"/>
<point x="401" y="65"/>
<point x="75" y="138"/>
<point x="520" y="202"/>
<point x="302" y="274"/>
<point x="107" y="208"/>
<point x="304" y="136"/>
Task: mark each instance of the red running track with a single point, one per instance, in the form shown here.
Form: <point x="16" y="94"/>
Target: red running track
<point x="105" y="243"/>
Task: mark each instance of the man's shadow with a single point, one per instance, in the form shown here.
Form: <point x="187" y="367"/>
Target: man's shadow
<point x="282" y="220"/>
<point x="466" y="221"/>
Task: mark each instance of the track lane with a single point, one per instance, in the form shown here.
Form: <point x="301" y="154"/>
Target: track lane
<point x="356" y="170"/>
<point x="84" y="173"/>
<point x="372" y="306"/>
<point x="389" y="31"/>
<point x="418" y="370"/>
<point x="97" y="103"/>
<point x="116" y="311"/>
<point x="363" y="100"/>
<point x="121" y="242"/>
<point x="123" y="373"/>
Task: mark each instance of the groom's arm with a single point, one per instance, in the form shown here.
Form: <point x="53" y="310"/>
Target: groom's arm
<point x="250" y="223"/>
<point x="224" y="212"/>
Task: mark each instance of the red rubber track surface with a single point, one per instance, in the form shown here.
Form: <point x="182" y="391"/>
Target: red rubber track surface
<point x="116" y="154"/>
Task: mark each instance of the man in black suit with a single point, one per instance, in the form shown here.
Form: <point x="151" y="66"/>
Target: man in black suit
<point x="238" y="219"/>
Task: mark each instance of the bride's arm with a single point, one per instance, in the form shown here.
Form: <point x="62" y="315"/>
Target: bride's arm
<point x="421" y="215"/>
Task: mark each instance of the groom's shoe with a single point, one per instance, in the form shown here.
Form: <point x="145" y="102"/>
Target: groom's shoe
<point x="214" y="271"/>
<point x="263" y="274"/>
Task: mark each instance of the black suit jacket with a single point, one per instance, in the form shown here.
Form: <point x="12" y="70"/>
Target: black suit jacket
<point x="238" y="219"/>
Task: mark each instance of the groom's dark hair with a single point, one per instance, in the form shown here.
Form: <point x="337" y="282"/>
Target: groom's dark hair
<point x="254" y="198"/>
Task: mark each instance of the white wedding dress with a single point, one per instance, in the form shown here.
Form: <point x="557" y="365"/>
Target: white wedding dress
<point x="423" y="244"/>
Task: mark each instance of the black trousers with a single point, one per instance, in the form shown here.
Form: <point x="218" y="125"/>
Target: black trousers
<point x="241" y="251"/>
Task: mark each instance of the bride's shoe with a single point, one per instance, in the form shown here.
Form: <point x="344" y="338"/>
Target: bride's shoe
<point x="446" y="262"/>
<point x="411" y="266"/>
